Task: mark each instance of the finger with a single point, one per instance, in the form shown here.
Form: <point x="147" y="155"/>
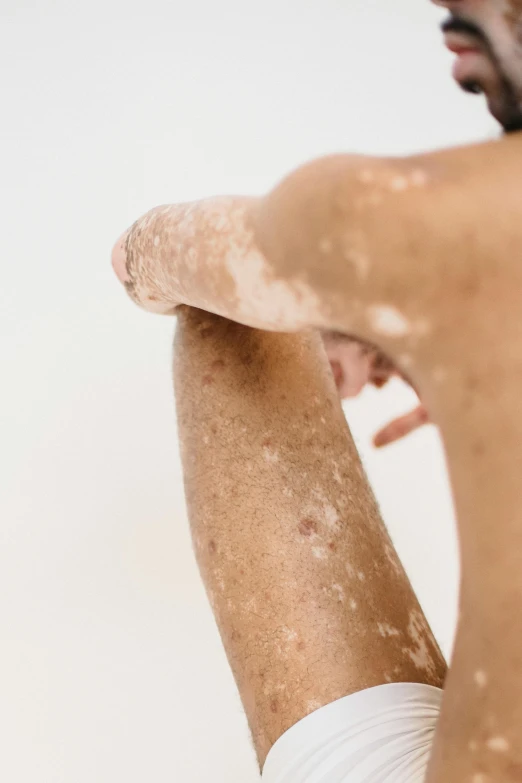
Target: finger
<point x="401" y="427"/>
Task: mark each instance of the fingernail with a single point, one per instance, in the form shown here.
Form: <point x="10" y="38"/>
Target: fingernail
<point x="119" y="258"/>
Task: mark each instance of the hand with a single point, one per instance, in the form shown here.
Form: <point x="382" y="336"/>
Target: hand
<point x="356" y="363"/>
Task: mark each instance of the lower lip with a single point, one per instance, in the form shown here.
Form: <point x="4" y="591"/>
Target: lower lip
<point x="468" y="65"/>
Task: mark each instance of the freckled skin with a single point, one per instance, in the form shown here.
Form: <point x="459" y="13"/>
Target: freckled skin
<point x="444" y="253"/>
<point x="293" y="641"/>
<point x="453" y="265"/>
<point x="437" y="238"/>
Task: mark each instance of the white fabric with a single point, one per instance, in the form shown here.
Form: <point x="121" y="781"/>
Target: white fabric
<point x="380" y="735"/>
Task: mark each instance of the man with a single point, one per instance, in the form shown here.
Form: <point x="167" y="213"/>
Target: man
<point x="338" y="671"/>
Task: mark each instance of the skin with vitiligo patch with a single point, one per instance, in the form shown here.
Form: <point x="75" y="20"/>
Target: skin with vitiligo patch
<point x="441" y="285"/>
<point x="308" y="593"/>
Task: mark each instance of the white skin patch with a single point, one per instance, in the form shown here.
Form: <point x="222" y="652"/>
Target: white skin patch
<point x="319" y="552"/>
<point x="321" y="508"/>
<point x="272" y="457"/>
<point x="420" y="654"/>
<point x="498" y="745"/>
<point x="360" y="576"/>
<point x="331" y="517"/>
<point x="353" y="604"/>
<point x="338" y="591"/>
<point x="416" y="178"/>
<point x="479" y="778"/>
<point x="481" y="678"/>
<point x="399" y="184"/>
<point x="336" y="474"/>
<point x="325" y="245"/>
<point x="262" y="300"/>
<point x="289" y="634"/>
<point x="387" y="630"/>
<point x="156" y="241"/>
<point x="387" y="320"/>
<point x="313" y="705"/>
<point x="229" y="243"/>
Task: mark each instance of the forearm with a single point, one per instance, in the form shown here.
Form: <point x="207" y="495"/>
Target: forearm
<point x="308" y="593"/>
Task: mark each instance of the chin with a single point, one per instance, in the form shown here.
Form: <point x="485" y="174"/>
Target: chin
<point x="513" y="125"/>
<point x="509" y="117"/>
<point x="505" y="106"/>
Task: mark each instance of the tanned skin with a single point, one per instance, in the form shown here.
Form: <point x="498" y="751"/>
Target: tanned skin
<point x="310" y="598"/>
<point x="421" y="258"/>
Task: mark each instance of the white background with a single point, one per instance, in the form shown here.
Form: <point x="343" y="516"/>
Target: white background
<point x="110" y="665"/>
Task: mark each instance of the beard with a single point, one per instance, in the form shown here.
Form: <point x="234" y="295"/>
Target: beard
<point x="504" y="105"/>
<point x="509" y="111"/>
